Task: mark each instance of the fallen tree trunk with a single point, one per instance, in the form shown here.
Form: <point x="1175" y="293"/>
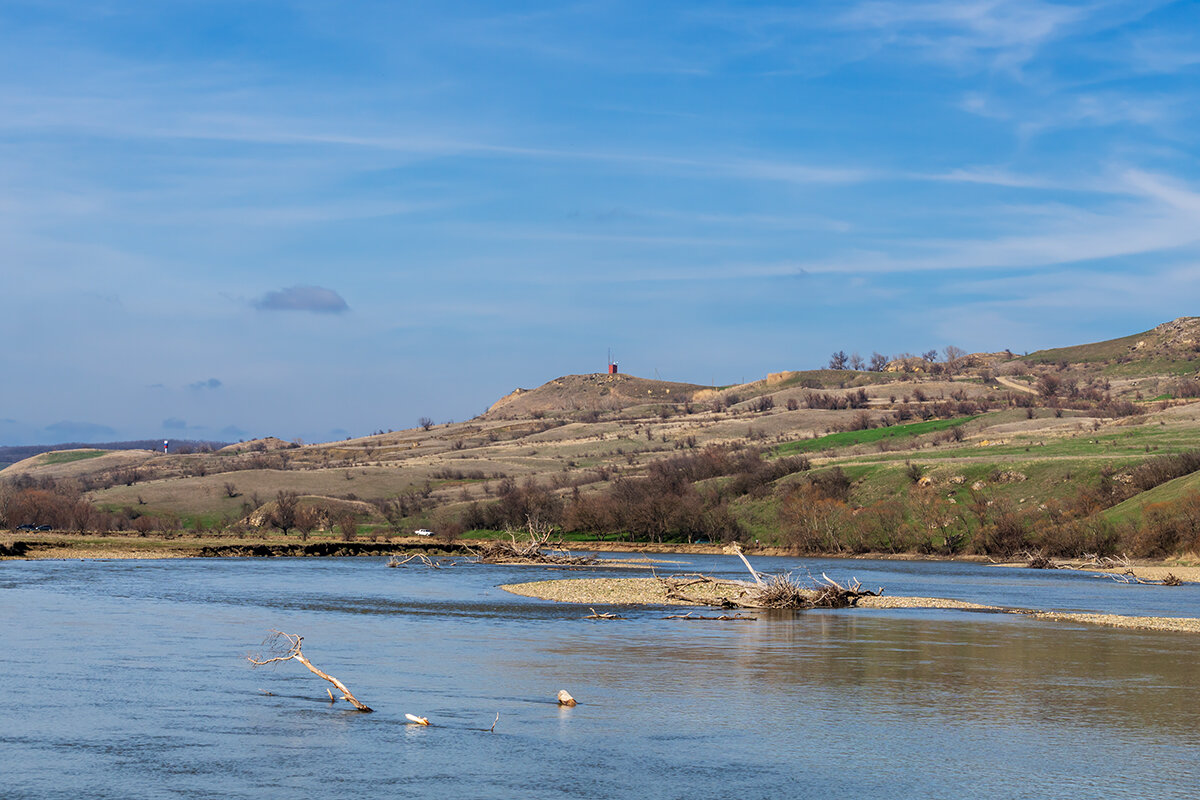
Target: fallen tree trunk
<point x="287" y="645"/>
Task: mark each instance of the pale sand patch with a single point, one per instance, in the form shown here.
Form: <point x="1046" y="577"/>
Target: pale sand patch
<point x="922" y="602"/>
<point x="81" y="554"/>
<point x="1184" y="624"/>
<point x="651" y="591"/>
<point x="618" y="591"/>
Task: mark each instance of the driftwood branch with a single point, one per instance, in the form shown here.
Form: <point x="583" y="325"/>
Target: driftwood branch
<point x="736" y="549"/>
<point x="424" y="559"/>
<point x="1128" y="576"/>
<point x="287" y="646"/>
<point x="598" y="615"/>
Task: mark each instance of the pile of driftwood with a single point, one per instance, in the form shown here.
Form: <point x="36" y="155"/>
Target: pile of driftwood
<point x="765" y="591"/>
<point x="538" y="544"/>
<point x="780" y="591"/>
<point x="1038" y="560"/>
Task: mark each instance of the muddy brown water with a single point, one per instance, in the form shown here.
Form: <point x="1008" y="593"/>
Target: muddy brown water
<point x="126" y="679"/>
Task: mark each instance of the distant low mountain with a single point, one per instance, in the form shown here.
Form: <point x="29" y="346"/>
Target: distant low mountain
<point x="12" y="454"/>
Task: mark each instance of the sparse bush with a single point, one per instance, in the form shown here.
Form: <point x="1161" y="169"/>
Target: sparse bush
<point x="762" y="404"/>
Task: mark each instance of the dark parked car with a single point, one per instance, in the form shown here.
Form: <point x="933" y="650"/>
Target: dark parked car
<point x="34" y="528"/>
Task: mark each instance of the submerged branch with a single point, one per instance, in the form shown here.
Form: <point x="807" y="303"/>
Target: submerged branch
<point x="287" y="646"/>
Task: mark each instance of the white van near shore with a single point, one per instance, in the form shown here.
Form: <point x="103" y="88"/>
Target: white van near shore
<point x="423" y="532"/>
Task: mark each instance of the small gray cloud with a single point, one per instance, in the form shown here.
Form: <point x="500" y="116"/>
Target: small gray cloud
<point x="78" y="430"/>
<point x="316" y="299"/>
<point x="211" y="383"/>
<point x="174" y="424"/>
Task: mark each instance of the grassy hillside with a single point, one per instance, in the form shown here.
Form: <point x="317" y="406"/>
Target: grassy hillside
<point x="1172" y="348"/>
<point x="941" y="459"/>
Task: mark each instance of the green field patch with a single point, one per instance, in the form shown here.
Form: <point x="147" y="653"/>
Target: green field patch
<point x="67" y="456"/>
<point x="834" y="441"/>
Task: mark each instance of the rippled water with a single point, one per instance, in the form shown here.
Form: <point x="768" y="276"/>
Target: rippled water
<point x="125" y="679"/>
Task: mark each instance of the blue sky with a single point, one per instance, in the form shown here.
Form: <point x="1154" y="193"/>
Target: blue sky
<point x="225" y="220"/>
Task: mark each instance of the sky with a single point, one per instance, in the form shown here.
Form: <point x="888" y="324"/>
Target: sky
<point x="225" y="220"/>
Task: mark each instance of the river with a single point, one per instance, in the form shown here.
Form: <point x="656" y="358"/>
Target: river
<point x="127" y="679"/>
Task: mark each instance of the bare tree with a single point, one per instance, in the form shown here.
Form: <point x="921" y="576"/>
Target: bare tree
<point x="856" y="361"/>
<point x="83" y="514"/>
<point x="230" y="489"/>
<point x="425" y="422"/>
<point x="306" y="519"/>
<point x="280" y="647"/>
<point x="954" y="356"/>
<point x="838" y="360"/>
<point x="930" y="355"/>
<point x="879" y="362"/>
<point x="348" y="522"/>
<point x="283" y="516"/>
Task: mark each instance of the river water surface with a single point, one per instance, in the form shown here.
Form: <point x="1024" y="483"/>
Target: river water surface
<point x="127" y="679"/>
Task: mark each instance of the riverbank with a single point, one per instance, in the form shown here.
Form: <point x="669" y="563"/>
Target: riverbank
<point x="184" y="546"/>
<point x="273" y="545"/>
<point x="653" y="592"/>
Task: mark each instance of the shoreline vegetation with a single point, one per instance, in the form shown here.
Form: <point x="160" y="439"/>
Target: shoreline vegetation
<point x="67" y="546"/>
<point x="90" y="547"/>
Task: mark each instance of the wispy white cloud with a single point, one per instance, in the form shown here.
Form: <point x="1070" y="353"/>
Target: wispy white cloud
<point x="1004" y="34"/>
<point x="1034" y="115"/>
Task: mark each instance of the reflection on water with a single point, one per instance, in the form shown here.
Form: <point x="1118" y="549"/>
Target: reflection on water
<point x="126" y="679"/>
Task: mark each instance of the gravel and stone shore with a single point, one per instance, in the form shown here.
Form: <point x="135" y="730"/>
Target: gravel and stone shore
<point x="651" y="591"/>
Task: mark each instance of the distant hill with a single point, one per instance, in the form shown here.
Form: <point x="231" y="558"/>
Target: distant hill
<point x="922" y="459"/>
<point x="596" y="392"/>
<point x="1170" y="348"/>
<point x="12" y="454"/>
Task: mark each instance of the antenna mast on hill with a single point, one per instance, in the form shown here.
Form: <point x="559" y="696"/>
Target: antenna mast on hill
<point x="612" y="365"/>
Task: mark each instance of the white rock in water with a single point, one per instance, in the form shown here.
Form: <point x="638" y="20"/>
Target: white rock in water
<point x="565" y="699"/>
